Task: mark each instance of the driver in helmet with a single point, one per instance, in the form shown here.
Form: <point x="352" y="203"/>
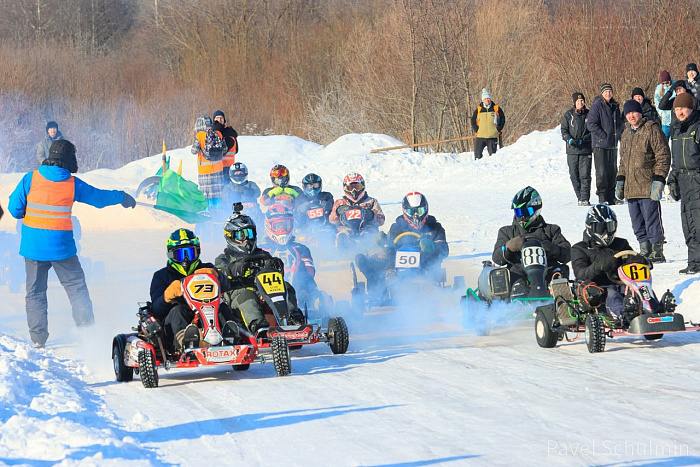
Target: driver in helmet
<point x="593" y="258"/>
<point x="527" y="224"/>
<point x="239" y="292"/>
<point x="313" y="205"/>
<point x="280" y="189"/>
<point x="242" y="190"/>
<point x="168" y="305"/>
<point x="355" y="195"/>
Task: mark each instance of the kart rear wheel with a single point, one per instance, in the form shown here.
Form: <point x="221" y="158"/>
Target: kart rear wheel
<point x="595" y="333"/>
<point x="653" y="337"/>
<point x="242" y="367"/>
<point x="147" y="369"/>
<point x="546" y="338"/>
<point x="122" y="372"/>
<point x="338" y="335"/>
<point x="280" y="356"/>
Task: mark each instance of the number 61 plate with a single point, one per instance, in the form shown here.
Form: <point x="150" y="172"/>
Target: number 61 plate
<point x="407" y="259"/>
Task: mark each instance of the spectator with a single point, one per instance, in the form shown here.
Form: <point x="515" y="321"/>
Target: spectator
<point x="644" y="163"/>
<point x="231" y="138"/>
<point x="578" y="148"/>
<point x="691" y="72"/>
<point x="677" y="88"/>
<point x="684" y="180"/>
<point x="209" y="146"/>
<point x="47" y="239"/>
<point x="661" y="88"/>
<point x="52" y="134"/>
<point x="487" y="123"/>
<point x="648" y="110"/>
<point x="605" y="124"/>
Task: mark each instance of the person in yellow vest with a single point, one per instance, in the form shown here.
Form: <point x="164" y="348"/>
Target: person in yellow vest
<point x="210" y="147"/>
<point x="231" y="138"/>
<point x="44" y="199"/>
<point x="488" y="121"/>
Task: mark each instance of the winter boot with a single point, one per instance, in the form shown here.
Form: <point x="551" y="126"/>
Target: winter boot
<point x="188" y="337"/>
<point x="657" y="253"/>
<point x="645" y="248"/>
<point x="232" y="331"/>
<point x="257" y="325"/>
<point x="691" y="269"/>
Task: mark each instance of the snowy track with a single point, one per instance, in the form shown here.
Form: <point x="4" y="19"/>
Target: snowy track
<point x="410" y="392"/>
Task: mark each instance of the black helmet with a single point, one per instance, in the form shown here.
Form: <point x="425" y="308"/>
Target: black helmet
<point x="238" y="173"/>
<point x="240" y="233"/>
<point x="601" y="224"/>
<point x="62" y="154"/>
<point x="415" y="209"/>
<point x="312" y="184"/>
<point x="183" y="251"/>
<point x="279" y="175"/>
<point x="526" y="206"/>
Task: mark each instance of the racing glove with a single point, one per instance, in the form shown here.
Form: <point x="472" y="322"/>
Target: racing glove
<point x="605" y="264"/>
<point x="515" y="244"/>
<point x="427" y="245"/>
<point x="173" y="292"/>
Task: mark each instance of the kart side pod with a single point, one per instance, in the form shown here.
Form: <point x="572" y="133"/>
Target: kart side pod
<point x="494" y="282"/>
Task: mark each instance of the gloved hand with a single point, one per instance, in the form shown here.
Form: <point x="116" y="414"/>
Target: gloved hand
<point x="173" y="292"/>
<point x="240" y="269"/>
<point x="515" y="244"/>
<point x="369" y="215"/>
<point x="571" y="142"/>
<point x="128" y="201"/>
<point x="341" y="209"/>
<point x="427" y="245"/>
<point x="606" y="264"/>
<point x="657" y="190"/>
<point x="673" y="186"/>
<point x="152" y="326"/>
<point x="620" y="189"/>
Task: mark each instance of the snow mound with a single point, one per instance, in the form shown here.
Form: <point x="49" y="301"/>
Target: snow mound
<point x="358" y="144"/>
<point x="48" y="413"/>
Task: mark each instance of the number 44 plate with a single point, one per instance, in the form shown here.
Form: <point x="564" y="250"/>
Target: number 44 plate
<point x="407" y="259"/>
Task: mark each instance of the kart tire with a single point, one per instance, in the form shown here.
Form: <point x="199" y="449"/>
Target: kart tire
<point x="280" y="356"/>
<point x="242" y="367"/>
<point x="338" y="335"/>
<point x="122" y="372"/>
<point x="653" y="337"/>
<point x="147" y="369"/>
<point x="595" y="333"/>
<point x="546" y="338"/>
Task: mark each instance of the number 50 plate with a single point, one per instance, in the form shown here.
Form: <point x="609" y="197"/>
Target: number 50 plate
<point x="407" y="259"/>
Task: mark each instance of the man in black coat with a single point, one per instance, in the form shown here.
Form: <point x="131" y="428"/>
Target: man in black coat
<point x="666" y="103"/>
<point x="578" y="148"/>
<point x="605" y="123"/>
<point x="693" y="85"/>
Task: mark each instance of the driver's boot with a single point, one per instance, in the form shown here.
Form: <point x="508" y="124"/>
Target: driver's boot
<point x="188" y="337"/>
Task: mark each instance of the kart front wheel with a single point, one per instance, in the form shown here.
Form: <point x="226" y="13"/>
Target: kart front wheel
<point x="122" y="372"/>
<point x="595" y="333"/>
<point x="338" y="335"/>
<point x="147" y="369"/>
<point x="546" y="338"/>
<point x="280" y="356"/>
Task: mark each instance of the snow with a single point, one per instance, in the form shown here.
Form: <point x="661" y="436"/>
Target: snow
<point x="414" y="389"/>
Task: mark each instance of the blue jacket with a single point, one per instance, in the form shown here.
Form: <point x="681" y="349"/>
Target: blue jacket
<point x="664" y="114"/>
<point x="55" y="245"/>
<point x="605" y="123"/>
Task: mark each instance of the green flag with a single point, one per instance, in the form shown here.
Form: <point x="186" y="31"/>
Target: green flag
<point x="181" y="198"/>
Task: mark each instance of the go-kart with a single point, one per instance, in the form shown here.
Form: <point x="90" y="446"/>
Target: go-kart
<point x="495" y="285"/>
<point x="297" y="330"/>
<point x="355" y="231"/>
<point x="580" y="308"/>
<point x="144" y="352"/>
<point x="406" y="280"/>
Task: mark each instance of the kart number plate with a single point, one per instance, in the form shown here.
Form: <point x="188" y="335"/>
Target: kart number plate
<point x="533" y="256"/>
<point x="314" y="213"/>
<point x="636" y="271"/>
<point x="202" y="288"/>
<point x="272" y="282"/>
<point x="407" y="259"/>
<point x="353" y="214"/>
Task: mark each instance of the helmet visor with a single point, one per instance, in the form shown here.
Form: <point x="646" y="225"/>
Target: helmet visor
<point x="419" y="211"/>
<point x="525" y="212"/>
<point x="184" y="253"/>
<point x="238" y="176"/>
<point x="244" y="234"/>
<point x="312" y="186"/>
<point x="600" y="228"/>
<point x="355" y="188"/>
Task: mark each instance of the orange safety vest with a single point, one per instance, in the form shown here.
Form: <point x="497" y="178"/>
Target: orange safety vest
<point x="205" y="166"/>
<point x="49" y="204"/>
<point x="230" y="156"/>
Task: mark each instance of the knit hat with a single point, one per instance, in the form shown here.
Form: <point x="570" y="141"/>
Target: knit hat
<point x="664" y="76"/>
<point x="62" y="154"/>
<point x="485" y="94"/>
<point x="51" y="124"/>
<point x="631" y="106"/>
<point x="691" y="67"/>
<point x="578" y="95"/>
<point x="638" y="92"/>
<point x="679" y="83"/>
<point x="605" y="87"/>
<point x="218" y="113"/>
<point x="684" y="100"/>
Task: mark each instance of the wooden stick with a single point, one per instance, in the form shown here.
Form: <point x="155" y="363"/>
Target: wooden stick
<point x="426" y="143"/>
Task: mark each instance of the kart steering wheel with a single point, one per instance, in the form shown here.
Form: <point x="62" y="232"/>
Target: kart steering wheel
<point x="625" y="254"/>
<point x="406" y="234"/>
<point x="613" y="276"/>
